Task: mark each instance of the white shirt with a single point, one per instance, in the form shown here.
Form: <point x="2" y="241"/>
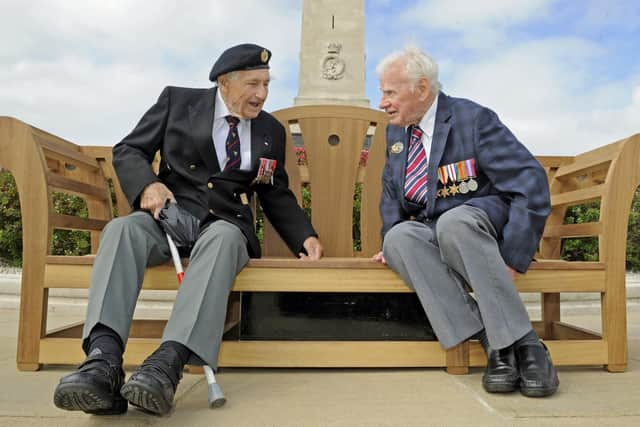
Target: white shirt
<point x="221" y="130"/>
<point x="428" y="125"/>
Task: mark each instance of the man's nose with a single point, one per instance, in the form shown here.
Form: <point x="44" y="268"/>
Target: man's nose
<point x="262" y="93"/>
<point x="384" y="103"/>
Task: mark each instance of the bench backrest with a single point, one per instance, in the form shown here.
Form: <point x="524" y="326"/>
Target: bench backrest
<point x="333" y="150"/>
<point x="606" y="175"/>
<point x="337" y="153"/>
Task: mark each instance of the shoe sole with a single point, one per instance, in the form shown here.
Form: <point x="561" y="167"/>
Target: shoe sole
<point x="146" y="398"/>
<point x="538" y="392"/>
<point x="499" y="388"/>
<point x="89" y="399"/>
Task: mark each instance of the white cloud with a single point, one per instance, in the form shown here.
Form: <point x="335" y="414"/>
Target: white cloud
<point x="88" y="70"/>
<point x="545" y="93"/>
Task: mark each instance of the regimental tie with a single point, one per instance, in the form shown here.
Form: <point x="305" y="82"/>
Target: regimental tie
<point x="233" y="144"/>
<point x="415" y="183"/>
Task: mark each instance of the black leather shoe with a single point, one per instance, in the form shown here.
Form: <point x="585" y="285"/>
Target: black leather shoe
<point x="501" y="374"/>
<point x="154" y="384"/>
<point x="94" y="388"/>
<point x="538" y="376"/>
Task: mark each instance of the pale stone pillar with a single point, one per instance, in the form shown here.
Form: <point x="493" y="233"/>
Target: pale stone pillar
<point x="332" y="57"/>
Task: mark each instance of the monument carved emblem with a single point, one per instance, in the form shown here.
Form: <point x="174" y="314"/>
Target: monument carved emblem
<point x="333" y="65"/>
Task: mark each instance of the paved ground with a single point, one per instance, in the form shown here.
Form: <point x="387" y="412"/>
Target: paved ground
<point x="340" y="397"/>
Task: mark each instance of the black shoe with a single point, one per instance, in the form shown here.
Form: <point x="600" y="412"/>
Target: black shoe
<point x="154" y="384"/>
<point x="538" y="376"/>
<point x="94" y="388"/>
<point x="501" y="374"/>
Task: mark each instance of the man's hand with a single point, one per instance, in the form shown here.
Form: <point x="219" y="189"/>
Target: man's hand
<point x="379" y="257"/>
<point x="154" y="197"/>
<point x="314" y="249"/>
<point x="512" y="272"/>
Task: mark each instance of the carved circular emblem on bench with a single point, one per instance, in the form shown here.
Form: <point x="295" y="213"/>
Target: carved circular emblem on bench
<point x="333" y="140"/>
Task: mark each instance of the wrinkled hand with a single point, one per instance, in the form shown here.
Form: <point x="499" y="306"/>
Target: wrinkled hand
<point x="379" y="257"/>
<point x="512" y="272"/>
<point x="154" y="197"/>
<point x="314" y="249"/>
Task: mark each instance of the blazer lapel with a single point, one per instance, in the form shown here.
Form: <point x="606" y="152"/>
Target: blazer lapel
<point x="261" y="142"/>
<point x="440" y="134"/>
<point x="201" y="119"/>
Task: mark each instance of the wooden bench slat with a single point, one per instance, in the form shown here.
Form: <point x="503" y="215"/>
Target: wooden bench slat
<point x="339" y="263"/>
<point x="70" y="222"/>
<point x="573" y="230"/>
<point x="578" y="196"/>
<point x="60" y="183"/>
<point x="554" y="161"/>
<point x="65" y="152"/>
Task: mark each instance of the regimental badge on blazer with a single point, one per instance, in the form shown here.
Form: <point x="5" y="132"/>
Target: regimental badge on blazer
<point x="397" y="147"/>
<point x="265" y="171"/>
<point x="457" y="178"/>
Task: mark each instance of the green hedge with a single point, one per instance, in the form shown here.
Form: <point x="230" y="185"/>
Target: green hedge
<point x="67" y="242"/>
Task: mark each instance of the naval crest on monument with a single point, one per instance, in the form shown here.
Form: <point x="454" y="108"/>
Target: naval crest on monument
<point x="333" y="65"/>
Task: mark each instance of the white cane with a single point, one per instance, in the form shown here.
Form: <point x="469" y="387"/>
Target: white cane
<point x="216" y="396"/>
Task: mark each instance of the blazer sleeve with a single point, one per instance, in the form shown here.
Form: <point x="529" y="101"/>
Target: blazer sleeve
<point x="279" y="203"/>
<point x="133" y="156"/>
<point x="390" y="208"/>
<point x="521" y="182"/>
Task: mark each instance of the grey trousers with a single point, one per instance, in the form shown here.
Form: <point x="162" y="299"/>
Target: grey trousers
<point x="437" y="259"/>
<point x="129" y="244"/>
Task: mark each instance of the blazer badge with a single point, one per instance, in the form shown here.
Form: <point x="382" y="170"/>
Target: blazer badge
<point x="397" y="147"/>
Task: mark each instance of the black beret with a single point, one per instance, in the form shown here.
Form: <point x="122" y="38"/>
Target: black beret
<point x="241" y="57"/>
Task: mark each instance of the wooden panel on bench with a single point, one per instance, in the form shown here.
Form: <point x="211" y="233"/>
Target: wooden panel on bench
<point x="332" y="275"/>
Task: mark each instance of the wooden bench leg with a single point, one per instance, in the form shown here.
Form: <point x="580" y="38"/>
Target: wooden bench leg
<point x="614" y="320"/>
<point x="33" y="319"/>
<point x="550" y="313"/>
<point x="458" y="359"/>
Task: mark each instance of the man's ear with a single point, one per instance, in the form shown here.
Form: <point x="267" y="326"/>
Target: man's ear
<point x="423" y="88"/>
<point x="223" y="81"/>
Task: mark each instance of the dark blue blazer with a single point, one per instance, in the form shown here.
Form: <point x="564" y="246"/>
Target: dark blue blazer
<point x="512" y="185"/>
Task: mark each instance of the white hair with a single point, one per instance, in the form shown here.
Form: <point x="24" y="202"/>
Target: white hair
<point x="417" y="65"/>
<point x="231" y="75"/>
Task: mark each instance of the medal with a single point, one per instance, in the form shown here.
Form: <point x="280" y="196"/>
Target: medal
<point x="463" y="187"/>
<point x="453" y="189"/>
<point x="473" y="184"/>
<point x="397" y="147"/>
<point x="265" y="171"/>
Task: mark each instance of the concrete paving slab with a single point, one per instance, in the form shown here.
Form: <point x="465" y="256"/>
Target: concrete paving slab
<point x="588" y="396"/>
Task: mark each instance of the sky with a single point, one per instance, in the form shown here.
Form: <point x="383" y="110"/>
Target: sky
<point x="563" y="75"/>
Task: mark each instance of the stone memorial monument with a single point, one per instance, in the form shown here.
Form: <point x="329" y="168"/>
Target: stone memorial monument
<point x="332" y="58"/>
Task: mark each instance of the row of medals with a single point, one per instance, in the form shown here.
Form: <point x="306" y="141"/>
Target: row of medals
<point x="462" y="187"/>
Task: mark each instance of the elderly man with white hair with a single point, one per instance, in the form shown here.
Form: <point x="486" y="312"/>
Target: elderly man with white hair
<point x="464" y="205"/>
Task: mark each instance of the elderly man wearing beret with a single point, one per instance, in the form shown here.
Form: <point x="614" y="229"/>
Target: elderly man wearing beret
<point x="217" y="149"/>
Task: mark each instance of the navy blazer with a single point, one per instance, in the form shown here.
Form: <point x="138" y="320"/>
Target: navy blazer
<point x="180" y="126"/>
<point x="512" y="185"/>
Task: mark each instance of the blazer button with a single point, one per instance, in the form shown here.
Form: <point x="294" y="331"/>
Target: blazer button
<point x="192" y="167"/>
<point x="239" y="216"/>
<point x="212" y="212"/>
<point x="210" y="185"/>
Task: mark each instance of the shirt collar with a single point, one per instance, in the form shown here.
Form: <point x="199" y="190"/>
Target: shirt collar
<point x="428" y="122"/>
<point x="221" y="110"/>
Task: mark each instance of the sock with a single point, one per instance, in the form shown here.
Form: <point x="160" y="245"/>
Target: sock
<point x="484" y="341"/>
<point x="106" y="342"/>
<point x="530" y="338"/>
<point x="181" y="350"/>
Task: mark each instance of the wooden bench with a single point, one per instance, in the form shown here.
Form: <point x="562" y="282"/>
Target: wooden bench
<point x="343" y="146"/>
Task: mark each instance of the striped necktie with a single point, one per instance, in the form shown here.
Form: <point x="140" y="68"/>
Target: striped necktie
<point x="232" y="144"/>
<point x="415" y="183"/>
